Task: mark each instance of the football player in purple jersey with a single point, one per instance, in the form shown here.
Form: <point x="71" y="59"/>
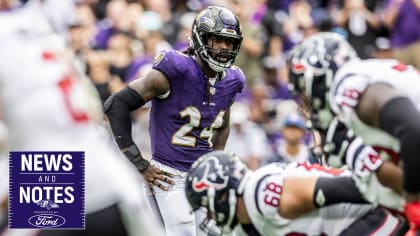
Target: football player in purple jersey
<point x="191" y="93"/>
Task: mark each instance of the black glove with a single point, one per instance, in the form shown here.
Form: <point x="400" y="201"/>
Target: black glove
<point x="337" y="141"/>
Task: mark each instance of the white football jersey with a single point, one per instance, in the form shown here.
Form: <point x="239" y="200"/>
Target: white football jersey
<point x="263" y="194"/>
<point x="44" y="102"/>
<point x="350" y="82"/>
<point x="42" y="97"/>
<point x="48" y="106"/>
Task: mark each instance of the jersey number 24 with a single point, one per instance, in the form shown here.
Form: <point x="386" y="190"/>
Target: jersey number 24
<point x="183" y="135"/>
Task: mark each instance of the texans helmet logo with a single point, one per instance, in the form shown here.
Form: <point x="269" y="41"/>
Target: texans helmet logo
<point x="213" y="176"/>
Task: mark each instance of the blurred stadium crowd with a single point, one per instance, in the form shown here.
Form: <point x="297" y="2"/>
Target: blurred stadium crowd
<point x="115" y="41"/>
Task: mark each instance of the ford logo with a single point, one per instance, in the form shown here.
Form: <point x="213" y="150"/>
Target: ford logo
<point x="46" y="221"/>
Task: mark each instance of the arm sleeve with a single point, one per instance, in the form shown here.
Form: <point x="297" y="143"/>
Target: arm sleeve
<point x="401" y="119"/>
<point x="118" y="107"/>
<point x="333" y="190"/>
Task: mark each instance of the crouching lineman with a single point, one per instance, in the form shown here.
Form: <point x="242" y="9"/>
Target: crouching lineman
<point x="376" y="98"/>
<point x="380" y="182"/>
<point x="279" y="199"/>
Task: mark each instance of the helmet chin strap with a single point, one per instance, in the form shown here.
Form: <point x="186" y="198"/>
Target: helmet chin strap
<point x="216" y="68"/>
<point x="213" y="65"/>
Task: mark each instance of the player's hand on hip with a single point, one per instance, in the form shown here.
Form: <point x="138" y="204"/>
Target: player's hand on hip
<point x="157" y="177"/>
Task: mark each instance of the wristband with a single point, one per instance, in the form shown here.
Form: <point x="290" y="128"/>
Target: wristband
<point x="133" y="154"/>
<point x="335" y="190"/>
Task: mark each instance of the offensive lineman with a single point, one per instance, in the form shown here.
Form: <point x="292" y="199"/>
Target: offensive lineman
<point x="281" y="199"/>
<point x="376" y="98"/>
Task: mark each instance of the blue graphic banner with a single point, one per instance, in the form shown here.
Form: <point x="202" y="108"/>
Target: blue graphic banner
<point x="47" y="190"/>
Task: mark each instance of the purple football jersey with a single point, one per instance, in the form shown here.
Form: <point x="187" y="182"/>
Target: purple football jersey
<point x="182" y="125"/>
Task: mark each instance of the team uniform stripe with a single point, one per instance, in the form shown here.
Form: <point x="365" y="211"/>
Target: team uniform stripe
<point x="256" y="192"/>
<point x="389" y="225"/>
<point x="341" y="81"/>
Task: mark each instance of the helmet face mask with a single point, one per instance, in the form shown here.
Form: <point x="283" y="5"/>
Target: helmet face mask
<point x="214" y="182"/>
<point x="312" y="66"/>
<point x="212" y="26"/>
